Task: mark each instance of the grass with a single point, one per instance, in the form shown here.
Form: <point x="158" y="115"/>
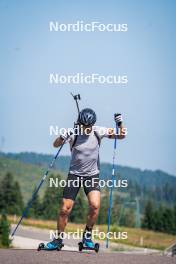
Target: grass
<point x="136" y="236"/>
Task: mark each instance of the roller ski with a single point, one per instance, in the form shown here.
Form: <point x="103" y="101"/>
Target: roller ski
<point x="88" y="244"/>
<point x="56" y="244"/>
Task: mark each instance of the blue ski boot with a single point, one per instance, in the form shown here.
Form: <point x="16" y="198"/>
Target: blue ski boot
<point x="87" y="243"/>
<point x="56" y="244"/>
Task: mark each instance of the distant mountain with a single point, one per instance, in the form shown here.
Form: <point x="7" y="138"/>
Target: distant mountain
<point x="28" y="169"/>
<point x="145" y="178"/>
<point x="43" y="160"/>
<point x="28" y="175"/>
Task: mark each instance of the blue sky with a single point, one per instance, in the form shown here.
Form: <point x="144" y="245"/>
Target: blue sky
<point x="146" y="53"/>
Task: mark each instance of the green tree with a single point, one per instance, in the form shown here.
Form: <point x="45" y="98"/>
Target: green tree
<point x="36" y="209"/>
<point x="102" y="217"/>
<point x="52" y="200"/>
<point x="158" y="219"/>
<point x="116" y="209"/>
<point x="168" y="220"/>
<point x="4" y="231"/>
<point x="18" y="205"/>
<point x="148" y="220"/>
<point x="10" y="196"/>
<point x="174" y="214"/>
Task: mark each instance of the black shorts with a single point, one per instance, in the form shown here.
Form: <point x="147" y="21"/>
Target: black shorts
<point x="74" y="183"/>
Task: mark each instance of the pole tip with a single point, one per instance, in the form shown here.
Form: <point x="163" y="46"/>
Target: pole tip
<point x="11" y="237"/>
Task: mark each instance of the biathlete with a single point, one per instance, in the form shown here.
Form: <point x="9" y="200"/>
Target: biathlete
<point x="84" y="166"/>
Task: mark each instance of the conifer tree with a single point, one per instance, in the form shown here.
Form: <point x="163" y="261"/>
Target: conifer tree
<point x="148" y="221"/>
<point x="52" y="200"/>
<point x="4" y="231"/>
<point x="10" y="196"/>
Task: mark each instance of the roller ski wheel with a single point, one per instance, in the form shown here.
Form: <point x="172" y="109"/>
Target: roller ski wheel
<point x="60" y="247"/>
<point x="41" y="246"/>
<point x="50" y="246"/>
<point x="80" y="245"/>
<point x="97" y="246"/>
<point x="83" y="246"/>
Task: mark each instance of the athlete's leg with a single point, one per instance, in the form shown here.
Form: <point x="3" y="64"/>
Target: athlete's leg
<point x="69" y="195"/>
<point x="66" y="207"/>
<point x="92" y="190"/>
<point x="94" y="205"/>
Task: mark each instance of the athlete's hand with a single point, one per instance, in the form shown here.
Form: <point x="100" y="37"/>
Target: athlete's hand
<point x="64" y="136"/>
<point x="118" y="119"/>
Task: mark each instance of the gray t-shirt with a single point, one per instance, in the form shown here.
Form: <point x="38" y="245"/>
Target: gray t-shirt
<point x="85" y="152"/>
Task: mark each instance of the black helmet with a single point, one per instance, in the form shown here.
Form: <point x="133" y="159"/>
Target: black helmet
<point x="87" y="117"/>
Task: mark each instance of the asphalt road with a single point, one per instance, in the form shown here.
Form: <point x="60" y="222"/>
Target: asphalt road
<point x="29" y="238"/>
<point x="21" y="256"/>
<point x="26" y="236"/>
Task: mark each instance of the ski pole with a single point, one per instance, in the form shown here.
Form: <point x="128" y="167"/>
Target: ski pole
<point x="76" y="98"/>
<point x="37" y="189"/>
<point x="111" y="189"/>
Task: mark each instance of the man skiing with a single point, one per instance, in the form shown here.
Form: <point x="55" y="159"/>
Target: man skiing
<point x="84" y="166"/>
